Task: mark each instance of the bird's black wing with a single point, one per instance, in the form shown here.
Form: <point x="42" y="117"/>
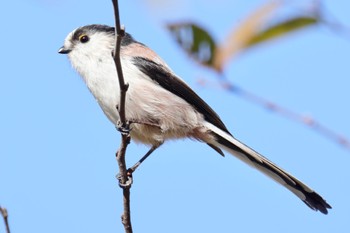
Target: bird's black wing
<point x="170" y="82"/>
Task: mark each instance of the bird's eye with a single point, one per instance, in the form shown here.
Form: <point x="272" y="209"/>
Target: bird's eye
<point x="83" y="38"/>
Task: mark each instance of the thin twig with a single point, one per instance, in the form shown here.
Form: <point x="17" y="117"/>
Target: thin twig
<point x="287" y="113"/>
<point x="5" y="215"/>
<point x="330" y="20"/>
<point x="119" y="33"/>
<point x="124" y="125"/>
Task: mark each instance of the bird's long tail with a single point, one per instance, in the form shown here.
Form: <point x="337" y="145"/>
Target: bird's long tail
<point x="256" y="160"/>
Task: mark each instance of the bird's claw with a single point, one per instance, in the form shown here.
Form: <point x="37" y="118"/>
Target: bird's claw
<point x="124" y="128"/>
<point x="127" y="183"/>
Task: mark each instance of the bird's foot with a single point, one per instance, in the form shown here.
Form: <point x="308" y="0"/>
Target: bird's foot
<point x="128" y="182"/>
<point x="123" y="128"/>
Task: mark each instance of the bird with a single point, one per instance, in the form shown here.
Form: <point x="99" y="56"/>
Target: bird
<point x="159" y="104"/>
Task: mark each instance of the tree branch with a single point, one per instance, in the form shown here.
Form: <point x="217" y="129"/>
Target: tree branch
<point x="308" y="121"/>
<point x="4" y="214"/>
<point x="123" y="178"/>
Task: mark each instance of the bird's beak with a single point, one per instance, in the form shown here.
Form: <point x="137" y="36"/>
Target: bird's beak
<point x="64" y="50"/>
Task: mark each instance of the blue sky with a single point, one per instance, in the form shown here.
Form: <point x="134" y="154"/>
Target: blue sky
<point x="57" y="164"/>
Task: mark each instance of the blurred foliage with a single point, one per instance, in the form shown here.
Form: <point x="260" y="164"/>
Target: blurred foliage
<point x="257" y="28"/>
<point x="282" y="29"/>
<point x="262" y="25"/>
<point x="196" y="41"/>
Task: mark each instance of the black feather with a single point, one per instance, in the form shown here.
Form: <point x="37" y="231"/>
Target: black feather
<point x="168" y="81"/>
<point x="95" y="28"/>
<point x="312" y="199"/>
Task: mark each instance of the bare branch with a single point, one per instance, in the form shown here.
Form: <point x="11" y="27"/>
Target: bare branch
<point x="4" y="214"/>
<point x="124" y="125"/>
<point x="329" y="20"/>
<point x="119" y="34"/>
<point x="283" y="111"/>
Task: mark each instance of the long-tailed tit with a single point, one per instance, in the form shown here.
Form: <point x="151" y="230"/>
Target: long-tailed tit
<point x="160" y="105"/>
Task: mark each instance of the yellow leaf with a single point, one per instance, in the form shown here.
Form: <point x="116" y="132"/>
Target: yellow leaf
<point x="240" y="36"/>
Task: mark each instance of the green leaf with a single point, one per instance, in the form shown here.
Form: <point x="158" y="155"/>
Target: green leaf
<point x="196" y="41"/>
<point x="281" y="29"/>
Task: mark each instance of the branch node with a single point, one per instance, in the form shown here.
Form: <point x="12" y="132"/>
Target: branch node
<point x="125" y="87"/>
<point x="122" y="30"/>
